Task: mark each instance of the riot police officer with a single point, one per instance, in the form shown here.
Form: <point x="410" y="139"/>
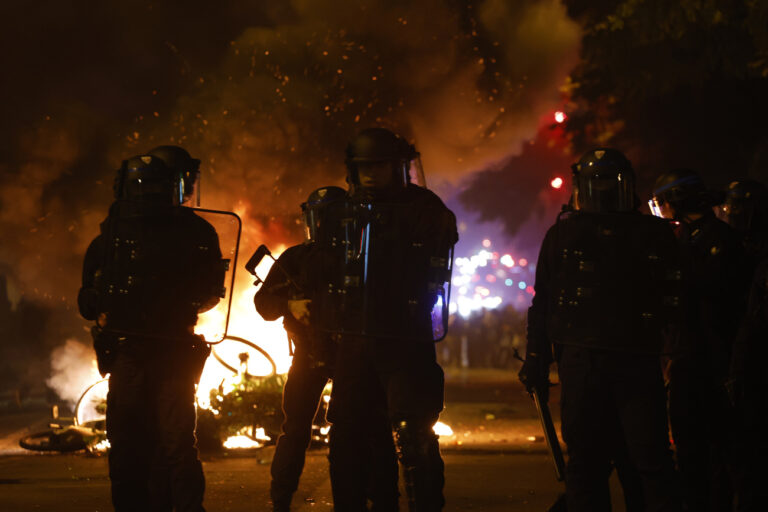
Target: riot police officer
<point x="146" y="277"/>
<point x="386" y="370"/>
<point x="288" y="292"/>
<point x="606" y="286"/>
<point x="745" y="209"/>
<point x="748" y="386"/>
<point x="717" y="278"/>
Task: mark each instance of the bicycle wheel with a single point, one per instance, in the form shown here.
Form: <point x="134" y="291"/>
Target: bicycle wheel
<point x="231" y="356"/>
<point x="91" y="406"/>
<point x="53" y="441"/>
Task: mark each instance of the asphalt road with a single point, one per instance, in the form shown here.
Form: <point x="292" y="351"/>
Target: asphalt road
<point x="495" y="461"/>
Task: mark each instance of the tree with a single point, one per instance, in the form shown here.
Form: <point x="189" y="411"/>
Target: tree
<point x="674" y="84"/>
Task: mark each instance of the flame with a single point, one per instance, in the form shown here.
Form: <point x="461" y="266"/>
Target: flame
<point x="240" y="442"/>
<point x="101" y="446"/>
<point x="441" y="429"/>
<point x="245" y="439"/>
<point x="246" y="323"/>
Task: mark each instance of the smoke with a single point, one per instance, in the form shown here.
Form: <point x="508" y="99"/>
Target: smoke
<point x="517" y="191"/>
<point x="266" y="94"/>
<point x="73" y="369"/>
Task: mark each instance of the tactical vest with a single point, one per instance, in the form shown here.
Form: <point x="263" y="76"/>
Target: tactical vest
<point x="159" y="266"/>
<point x="389" y="282"/>
<point x="615" y="282"/>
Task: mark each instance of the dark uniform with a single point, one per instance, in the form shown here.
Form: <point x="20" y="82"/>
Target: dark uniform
<point x="749" y="382"/>
<point x="301" y="273"/>
<point x="746" y="211"/>
<point x="700" y="414"/>
<point x="150" y="271"/>
<point x="389" y="378"/>
<point x="307" y="377"/>
<point x="716" y="277"/>
<point x="607" y="283"/>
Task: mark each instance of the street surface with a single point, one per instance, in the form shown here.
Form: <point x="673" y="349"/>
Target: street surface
<point x="495" y="461"/>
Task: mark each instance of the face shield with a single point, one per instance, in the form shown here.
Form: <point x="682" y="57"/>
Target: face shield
<point x="190" y="188"/>
<point x="614" y="193"/>
<point x="415" y="172"/>
<point x="738" y="215"/>
<point x="310" y="216"/>
<point x="151" y="187"/>
<point x="654" y="204"/>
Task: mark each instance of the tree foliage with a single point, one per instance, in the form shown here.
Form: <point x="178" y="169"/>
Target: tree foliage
<point x="674" y="84"/>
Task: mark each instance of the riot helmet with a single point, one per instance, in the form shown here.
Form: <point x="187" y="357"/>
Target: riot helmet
<point x="603" y="181"/>
<point x="147" y="178"/>
<point x="181" y="162"/>
<point x="683" y="190"/>
<point x="378" y="158"/>
<point x="315" y="211"/>
<point x="745" y="206"/>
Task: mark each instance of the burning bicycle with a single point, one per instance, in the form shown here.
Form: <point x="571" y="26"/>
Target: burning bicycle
<point x="239" y="396"/>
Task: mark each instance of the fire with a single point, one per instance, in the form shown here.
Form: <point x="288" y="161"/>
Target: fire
<point x="102" y="446"/>
<point x="240" y="442"/>
<point x="245" y="439"/>
<point x="246" y="323"/>
<point x="441" y="429"/>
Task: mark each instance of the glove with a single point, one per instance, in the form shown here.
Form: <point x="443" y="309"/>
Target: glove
<point x="535" y="375"/>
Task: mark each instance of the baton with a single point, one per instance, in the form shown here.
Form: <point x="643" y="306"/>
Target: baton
<point x="548" y="426"/>
<point x="550" y="434"/>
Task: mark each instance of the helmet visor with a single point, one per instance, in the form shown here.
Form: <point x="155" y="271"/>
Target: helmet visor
<point x="615" y="194"/>
<point x="415" y="172"/>
<point x="311" y="218"/>
<point x="654" y="204"/>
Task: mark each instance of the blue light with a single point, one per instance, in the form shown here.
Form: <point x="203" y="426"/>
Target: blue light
<point x="508" y="282"/>
<point x="521" y="285"/>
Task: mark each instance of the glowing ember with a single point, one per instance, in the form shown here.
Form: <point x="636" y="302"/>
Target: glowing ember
<point x="102" y="446"/>
<point x="441" y="429"/>
<point x="557" y="182"/>
<point x="560" y="116"/>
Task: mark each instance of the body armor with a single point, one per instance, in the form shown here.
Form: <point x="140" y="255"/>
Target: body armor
<point x="162" y="265"/>
<point x="395" y="279"/>
<point x="615" y="283"/>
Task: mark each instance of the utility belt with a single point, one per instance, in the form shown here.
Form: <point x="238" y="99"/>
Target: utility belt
<point x="188" y="352"/>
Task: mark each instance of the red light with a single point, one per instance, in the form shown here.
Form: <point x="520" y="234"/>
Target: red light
<point x="556" y="182"/>
<point x="529" y="289"/>
<point x="523" y="262"/>
<point x="486" y="243"/>
<point x="560" y="116"/>
<point x="490" y="278"/>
